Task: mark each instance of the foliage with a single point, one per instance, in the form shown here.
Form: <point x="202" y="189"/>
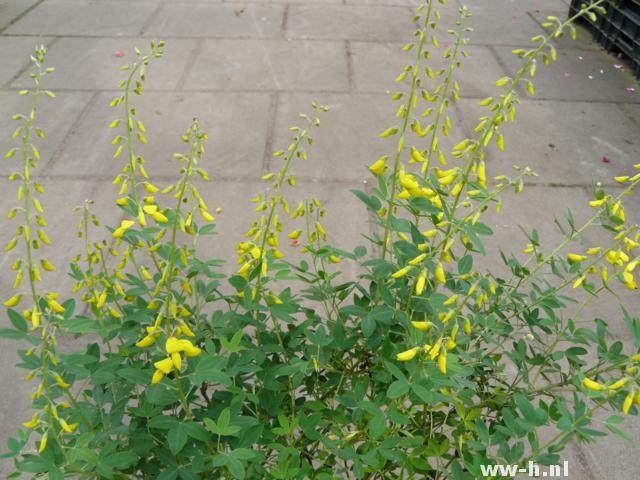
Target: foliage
<point x="421" y="367"/>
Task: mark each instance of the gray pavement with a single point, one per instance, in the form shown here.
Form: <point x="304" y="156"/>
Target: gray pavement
<point x="247" y="69"/>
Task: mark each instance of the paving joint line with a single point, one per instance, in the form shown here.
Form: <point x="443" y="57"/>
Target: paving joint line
<point x="285" y="20"/>
<point x="151" y="18"/>
<point x="271" y="128"/>
<point x="21" y="15"/>
<point x="349" y="55"/>
<point x="191" y="60"/>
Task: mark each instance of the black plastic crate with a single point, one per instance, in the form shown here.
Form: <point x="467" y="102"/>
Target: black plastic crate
<point x="618" y="31"/>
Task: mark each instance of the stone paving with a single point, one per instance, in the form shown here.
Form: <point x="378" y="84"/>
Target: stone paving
<point x="246" y="69"/>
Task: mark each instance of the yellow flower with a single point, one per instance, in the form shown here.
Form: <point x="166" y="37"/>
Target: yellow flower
<point x="334" y="259"/>
<point x="579" y="281"/>
<point x="146" y="341"/>
<point x="66" y="427"/>
<point x="407" y="355"/>
<point x="177" y="360"/>
<point x="597" y="203"/>
<point x="442" y="361"/>
<point x="165" y="365"/>
<point x="439" y="273"/>
<point x="295" y="234"/>
<point x="592" y="385"/>
<point x="206" y="215"/>
<point x="628" y="402"/>
<point x="124" y="225"/>
<point x="401" y="273"/>
<point x="421" y="281"/>
<point x="43" y="443"/>
<point x="157" y="376"/>
<point x="575" y="258"/>
<point x="423" y="326"/>
<point x="619" y="384"/>
<point x="33" y="423"/>
<point x="379" y="166"/>
<point x="13" y="301"/>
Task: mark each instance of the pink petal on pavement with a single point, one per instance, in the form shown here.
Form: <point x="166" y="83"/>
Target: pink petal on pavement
<point x="605" y="160"/>
<point x="119" y="53"/>
<point x="631" y="89"/>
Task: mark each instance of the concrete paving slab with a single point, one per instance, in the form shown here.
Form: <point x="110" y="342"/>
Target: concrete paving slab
<point x="353" y="22"/>
<point x="371" y="59"/>
<point x="567" y="149"/>
<point x="93" y="63"/>
<point x="632" y="111"/>
<point x="91" y="18"/>
<point x="11" y="9"/>
<point x="235" y="122"/>
<point x="269" y="65"/>
<point x="516" y="27"/>
<point x="348" y="138"/>
<point x="577" y="76"/>
<point x="15" y="53"/>
<point x="54" y="116"/>
<point x="217" y="20"/>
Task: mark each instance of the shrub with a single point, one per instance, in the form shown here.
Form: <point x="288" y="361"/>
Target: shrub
<point x="281" y="370"/>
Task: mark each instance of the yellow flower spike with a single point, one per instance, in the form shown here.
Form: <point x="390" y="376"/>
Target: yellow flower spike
<point x="422" y="325"/>
<point x="630" y="244"/>
<point x="146" y="341"/>
<point x="321" y="231"/>
<point x="401" y="273"/>
<point x="295" y="234"/>
<point x="43" y="443"/>
<point x="150" y="209"/>
<point x="114" y="313"/>
<point x="122" y="201"/>
<point x="407" y="355"/>
<point x="592" y="385"/>
<point x="444" y="181"/>
<point x="439" y="274"/>
<point x="177" y="361"/>
<point x="456" y="189"/>
<point x="164" y="365"/>
<point x="529" y="248"/>
<point x="628" y="402"/>
<point x="403" y="195"/>
<point x="579" y="281"/>
<point x="622" y="179"/>
<point x="418" y="259"/>
<point x="421" y="281"/>
<point x="594" y="251"/>
<point x="450" y="344"/>
<point x="442" y="361"/>
<point x="379" y="166"/>
<point x="267" y="177"/>
<point x="597" y="203"/>
<point x="448" y="316"/>
<point x="466" y="326"/>
<point x="13" y="301"/>
<point x="575" y="258"/>
<point x="430" y="233"/>
<point x="33" y="423"/>
<point x="618" y="384"/>
<point x="334" y="259"/>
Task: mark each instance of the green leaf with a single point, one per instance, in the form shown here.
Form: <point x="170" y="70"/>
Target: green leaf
<point x="177" y="438"/>
<point x="17" y="320"/>
<point x="397" y="389"/>
<point x="377" y="426"/>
